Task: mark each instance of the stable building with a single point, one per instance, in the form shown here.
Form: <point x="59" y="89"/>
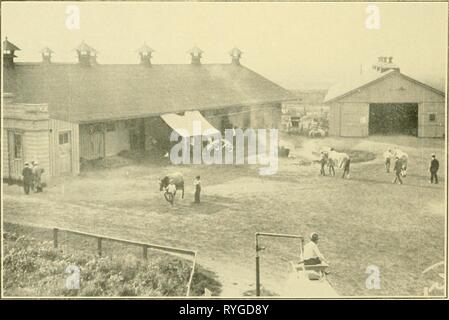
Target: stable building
<point x="62" y="114"/>
<point x="385" y="102"/>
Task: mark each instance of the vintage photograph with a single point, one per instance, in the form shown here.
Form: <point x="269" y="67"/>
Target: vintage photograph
<point x="224" y="150"/>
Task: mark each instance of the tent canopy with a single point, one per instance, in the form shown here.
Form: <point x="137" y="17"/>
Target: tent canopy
<point x="192" y="123"/>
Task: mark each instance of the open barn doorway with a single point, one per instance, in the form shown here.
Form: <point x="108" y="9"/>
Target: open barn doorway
<point x="393" y="118"/>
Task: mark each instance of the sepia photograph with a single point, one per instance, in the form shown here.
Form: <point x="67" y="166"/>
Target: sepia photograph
<point x="212" y="150"/>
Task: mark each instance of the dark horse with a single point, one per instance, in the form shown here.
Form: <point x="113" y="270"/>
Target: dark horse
<point x="174" y="178"/>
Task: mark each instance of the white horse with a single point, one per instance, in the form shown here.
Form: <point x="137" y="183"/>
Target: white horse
<point x="339" y="158"/>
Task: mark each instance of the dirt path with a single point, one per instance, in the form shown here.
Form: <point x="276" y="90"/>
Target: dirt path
<point x="235" y="280"/>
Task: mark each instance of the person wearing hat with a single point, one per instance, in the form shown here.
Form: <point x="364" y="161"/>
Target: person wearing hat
<point x="37" y="177"/>
<point x="27" y="174"/>
<point x="397" y="170"/>
<point x="197" y="185"/>
<point x="323" y="161"/>
<point x="434" y="166"/>
<point x="312" y="255"/>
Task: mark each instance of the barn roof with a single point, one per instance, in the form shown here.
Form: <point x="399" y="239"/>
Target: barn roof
<point x="346" y="88"/>
<point x="106" y="92"/>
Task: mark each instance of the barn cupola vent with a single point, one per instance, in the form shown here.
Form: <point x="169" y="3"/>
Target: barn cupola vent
<point x="235" y="54"/>
<point x="87" y="56"/>
<point x="145" y="53"/>
<point x="46" y="55"/>
<point x="384" y="64"/>
<point x="8" y="53"/>
<point x="196" y="54"/>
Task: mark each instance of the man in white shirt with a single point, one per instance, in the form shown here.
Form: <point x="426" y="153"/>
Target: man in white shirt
<point x="170" y="192"/>
<point x="312" y="254"/>
<point x="388" y="155"/>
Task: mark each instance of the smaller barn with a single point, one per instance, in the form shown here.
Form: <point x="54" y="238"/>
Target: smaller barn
<point x="385" y="102"/>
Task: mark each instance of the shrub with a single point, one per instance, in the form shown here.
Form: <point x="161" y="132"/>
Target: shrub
<point x="35" y="268"/>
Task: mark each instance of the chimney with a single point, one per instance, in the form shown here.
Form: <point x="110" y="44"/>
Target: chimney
<point x="8" y="53"/>
<point x="145" y="53"/>
<point x="235" y="54"/>
<point x="384" y="64"/>
<point x="46" y="55"/>
<point x="196" y="54"/>
<point x="87" y="56"/>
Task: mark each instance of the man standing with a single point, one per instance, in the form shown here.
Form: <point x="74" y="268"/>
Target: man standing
<point x="331" y="165"/>
<point x="37" y="177"/>
<point x="323" y="160"/>
<point x="397" y="170"/>
<point x="197" y="185"/>
<point x="434" y="166"/>
<point x="170" y="193"/>
<point x="312" y="255"/>
<point x="27" y="174"/>
<point x="387" y="156"/>
<point x="346" y="166"/>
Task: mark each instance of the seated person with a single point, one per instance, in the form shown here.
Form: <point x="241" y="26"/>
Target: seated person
<point x="312" y="255"/>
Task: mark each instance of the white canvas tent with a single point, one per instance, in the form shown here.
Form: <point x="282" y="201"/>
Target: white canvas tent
<point x="192" y="123"/>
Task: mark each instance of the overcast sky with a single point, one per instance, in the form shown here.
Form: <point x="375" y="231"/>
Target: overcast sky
<point x="297" y="45"/>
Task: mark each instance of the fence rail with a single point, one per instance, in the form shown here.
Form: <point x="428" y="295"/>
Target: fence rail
<point x="143" y="245"/>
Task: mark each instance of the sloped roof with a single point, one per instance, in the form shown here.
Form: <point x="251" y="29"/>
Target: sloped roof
<point x="102" y="92"/>
<point x="345" y="88"/>
<point x="9" y="46"/>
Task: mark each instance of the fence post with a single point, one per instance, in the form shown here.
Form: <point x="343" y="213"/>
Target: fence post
<point x="145" y="252"/>
<point x="99" y="246"/>
<point x="55" y="238"/>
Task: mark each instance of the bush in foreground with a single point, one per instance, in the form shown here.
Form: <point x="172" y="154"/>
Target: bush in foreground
<point x="35" y="268"/>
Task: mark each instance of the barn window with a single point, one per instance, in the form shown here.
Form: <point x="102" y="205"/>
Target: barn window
<point x="432" y="116"/>
<point x="110" y="126"/>
<point x="64" y="138"/>
<point x="17" y="146"/>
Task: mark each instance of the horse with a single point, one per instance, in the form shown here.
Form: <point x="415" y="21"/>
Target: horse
<point x="175" y="179"/>
<point x="339" y="158"/>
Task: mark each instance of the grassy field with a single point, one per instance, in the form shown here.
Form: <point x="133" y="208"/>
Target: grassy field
<point x="362" y="221"/>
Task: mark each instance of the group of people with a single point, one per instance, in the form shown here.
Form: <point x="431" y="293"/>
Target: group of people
<point x="332" y="158"/>
<point x="170" y="191"/>
<point x="32" y="177"/>
<point x="400" y="165"/>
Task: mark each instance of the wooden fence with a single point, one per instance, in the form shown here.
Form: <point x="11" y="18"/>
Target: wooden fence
<point x="143" y="245"/>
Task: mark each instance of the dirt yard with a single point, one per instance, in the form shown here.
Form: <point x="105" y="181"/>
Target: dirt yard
<point x="362" y="221"/>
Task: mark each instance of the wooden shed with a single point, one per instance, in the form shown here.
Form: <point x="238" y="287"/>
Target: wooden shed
<point x="386" y="103"/>
<point x="30" y="135"/>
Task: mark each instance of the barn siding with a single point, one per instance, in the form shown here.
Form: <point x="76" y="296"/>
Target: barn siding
<point x="35" y="142"/>
<point x="354" y="120"/>
<point x="427" y="128"/>
<point x="334" y="119"/>
<point x="36" y="148"/>
<point x="92" y="145"/>
<point x="117" y="140"/>
<point x="56" y="127"/>
<point x="5" y="150"/>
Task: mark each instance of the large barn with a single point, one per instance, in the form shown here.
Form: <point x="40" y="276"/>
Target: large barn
<point x="385" y="102"/>
<point x="62" y="114"/>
